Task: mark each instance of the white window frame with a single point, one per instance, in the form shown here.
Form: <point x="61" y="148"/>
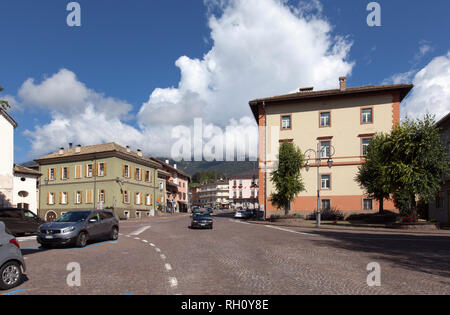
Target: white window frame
<point x="323" y="181"/>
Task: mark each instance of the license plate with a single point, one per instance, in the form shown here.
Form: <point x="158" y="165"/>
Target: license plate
<point x="202" y="224"/>
<point x="48" y="237"/>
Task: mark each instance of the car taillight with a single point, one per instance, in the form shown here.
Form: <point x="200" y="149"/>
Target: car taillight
<point x="14" y="242"/>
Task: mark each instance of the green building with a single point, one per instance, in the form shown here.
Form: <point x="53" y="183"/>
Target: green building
<point x="105" y="176"/>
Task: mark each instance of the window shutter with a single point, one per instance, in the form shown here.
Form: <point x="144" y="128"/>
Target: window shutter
<point x="85" y="170"/>
<point x="104" y="168"/>
<point x="81" y="197"/>
<point x="48" y="174"/>
<point x="61" y="169"/>
<point x="60" y="197"/>
<point x="68" y="173"/>
<point x="48" y="198"/>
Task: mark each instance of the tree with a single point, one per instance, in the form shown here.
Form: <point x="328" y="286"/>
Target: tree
<point x="417" y="160"/>
<point x="4" y="104"/>
<point x="287" y="177"/>
<point x="372" y="174"/>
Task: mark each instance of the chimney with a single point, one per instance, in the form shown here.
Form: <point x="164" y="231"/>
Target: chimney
<point x="61" y="151"/>
<point x="139" y="152"/>
<point x="78" y="149"/>
<point x="342" y="83"/>
<point x="167" y="162"/>
<point x="128" y="149"/>
<point x="307" y="89"/>
<point x="175" y="166"/>
<point x="70" y="145"/>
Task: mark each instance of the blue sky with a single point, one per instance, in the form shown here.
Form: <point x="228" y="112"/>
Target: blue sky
<point x="124" y="50"/>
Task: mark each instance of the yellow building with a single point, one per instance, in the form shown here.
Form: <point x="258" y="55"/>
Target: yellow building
<point x="338" y="122"/>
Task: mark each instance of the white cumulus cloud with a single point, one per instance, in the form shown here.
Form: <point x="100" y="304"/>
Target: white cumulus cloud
<point x="259" y="48"/>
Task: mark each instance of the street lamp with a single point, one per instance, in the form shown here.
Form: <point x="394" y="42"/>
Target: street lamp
<point x="330" y="151"/>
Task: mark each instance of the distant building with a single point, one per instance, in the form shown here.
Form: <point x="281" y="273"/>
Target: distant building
<point x="7" y="126"/>
<point x="177" y="198"/>
<point x="214" y="194"/>
<point x="25" y="193"/>
<point x="440" y="208"/>
<point x="194" y="196"/>
<point x="243" y="190"/>
<point x="104" y="176"/>
<point x="344" y="119"/>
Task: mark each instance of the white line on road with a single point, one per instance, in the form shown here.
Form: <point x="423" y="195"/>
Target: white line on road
<point x="152" y="245"/>
<point x="145" y="241"/>
<point x="168" y="267"/>
<point x="137" y="238"/>
<point x="158" y="250"/>
<point x="173" y="282"/>
<point x="286" y="230"/>
<point x="163" y="257"/>
<point x="141" y="230"/>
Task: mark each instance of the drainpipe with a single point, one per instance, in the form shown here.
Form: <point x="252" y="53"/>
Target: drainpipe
<point x="265" y="160"/>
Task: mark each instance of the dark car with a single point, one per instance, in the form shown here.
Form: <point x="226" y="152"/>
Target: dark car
<point x="202" y="222"/>
<point x="77" y="227"/>
<point x="20" y="221"/>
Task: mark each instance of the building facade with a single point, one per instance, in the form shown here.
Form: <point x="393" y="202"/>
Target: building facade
<point x="7" y="126"/>
<point x="177" y="198"/>
<point x="440" y="208"/>
<point x="339" y="123"/>
<point x="106" y="176"/>
<point x="25" y="192"/>
<point x="214" y="194"/>
<point x="243" y="190"/>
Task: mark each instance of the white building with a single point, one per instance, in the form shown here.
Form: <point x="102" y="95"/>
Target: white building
<point x="7" y="126"/>
<point x="25" y="191"/>
<point x="214" y="194"/>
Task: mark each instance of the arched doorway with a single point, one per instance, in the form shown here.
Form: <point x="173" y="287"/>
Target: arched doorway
<point x="50" y="216"/>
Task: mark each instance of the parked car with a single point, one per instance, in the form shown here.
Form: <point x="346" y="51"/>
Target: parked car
<point x="210" y="210"/>
<point x="202" y="222"/>
<point x="77" y="227"/>
<point x="20" y="221"/>
<point x="241" y="214"/>
<point x="11" y="260"/>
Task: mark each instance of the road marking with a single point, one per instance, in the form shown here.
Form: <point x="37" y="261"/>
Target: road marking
<point x="137" y="238"/>
<point x="140" y="231"/>
<point x="145" y="241"/>
<point x="152" y="245"/>
<point x="163" y="257"/>
<point x="14" y="292"/>
<point x="26" y="239"/>
<point x="158" y="250"/>
<point x="128" y="236"/>
<point x="173" y="282"/>
<point x="168" y="267"/>
<point x="286" y="230"/>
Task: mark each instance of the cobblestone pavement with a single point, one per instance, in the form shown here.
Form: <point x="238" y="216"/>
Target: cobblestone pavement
<point x="235" y="258"/>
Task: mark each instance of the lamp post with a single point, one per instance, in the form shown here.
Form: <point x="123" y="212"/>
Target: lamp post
<point x="330" y="151"/>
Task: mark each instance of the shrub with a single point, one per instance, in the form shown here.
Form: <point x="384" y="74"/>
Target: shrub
<point x="385" y="217"/>
<point x="328" y="215"/>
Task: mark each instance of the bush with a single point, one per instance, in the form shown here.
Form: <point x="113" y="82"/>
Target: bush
<point x="275" y="217"/>
<point x="385" y="217"/>
<point x="328" y="215"/>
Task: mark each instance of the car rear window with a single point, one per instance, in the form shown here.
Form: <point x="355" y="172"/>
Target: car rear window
<point x="10" y="213"/>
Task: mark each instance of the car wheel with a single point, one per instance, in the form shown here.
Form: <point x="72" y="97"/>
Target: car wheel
<point x="114" y="234"/>
<point x="10" y="275"/>
<point x="82" y="239"/>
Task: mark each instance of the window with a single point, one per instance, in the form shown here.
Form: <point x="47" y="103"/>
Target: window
<point x="147" y="176"/>
<point x="325" y="119"/>
<point x="126" y="197"/>
<point x="368" y="204"/>
<point x="138" y="174"/>
<point x="51" y="198"/>
<point x="138" y="199"/>
<point x="147" y="200"/>
<point x="51" y="174"/>
<point x="439" y="202"/>
<point x="90" y="170"/>
<point x="78" y="197"/>
<point x="326" y="182"/>
<point x="89" y="196"/>
<point x="365" y="145"/>
<point x="325" y="148"/>
<point x="65" y="173"/>
<point x="126" y="171"/>
<point x="101" y="169"/>
<point x="29" y="214"/>
<point x="78" y="171"/>
<point x="286" y="122"/>
<point x="101" y="195"/>
<point x="63" y="198"/>
<point x="367" y="115"/>
<point x="326" y="204"/>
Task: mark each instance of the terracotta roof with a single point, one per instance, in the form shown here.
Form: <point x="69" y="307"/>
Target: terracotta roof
<point x="404" y="89"/>
<point x="93" y="149"/>
<point x="443" y="121"/>
<point x="25" y="170"/>
<point x="171" y="168"/>
<point x="8" y="118"/>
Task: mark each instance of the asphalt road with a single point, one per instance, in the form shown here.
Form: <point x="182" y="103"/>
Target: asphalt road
<point x="165" y="257"/>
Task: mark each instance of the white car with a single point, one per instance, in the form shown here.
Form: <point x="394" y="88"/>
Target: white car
<point x="241" y="214"/>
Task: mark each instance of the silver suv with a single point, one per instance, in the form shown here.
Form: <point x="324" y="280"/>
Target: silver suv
<point x="11" y="260"/>
<point x="77" y="227"/>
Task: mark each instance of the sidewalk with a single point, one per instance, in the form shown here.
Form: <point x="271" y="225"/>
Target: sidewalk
<point x="331" y="226"/>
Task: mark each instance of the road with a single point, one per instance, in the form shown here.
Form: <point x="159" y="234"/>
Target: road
<point x="165" y="257"/>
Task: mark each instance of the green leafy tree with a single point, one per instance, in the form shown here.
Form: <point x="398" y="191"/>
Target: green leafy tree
<point x="417" y="160"/>
<point x="371" y="175"/>
<point x="4" y="104"/>
<point x="287" y="177"/>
